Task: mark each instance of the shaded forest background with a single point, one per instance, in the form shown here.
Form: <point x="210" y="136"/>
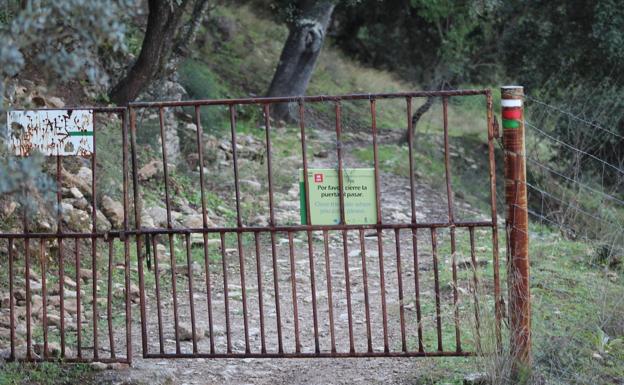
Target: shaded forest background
<point x="566" y="52"/>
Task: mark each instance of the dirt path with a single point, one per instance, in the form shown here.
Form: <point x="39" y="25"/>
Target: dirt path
<point x="396" y="209"/>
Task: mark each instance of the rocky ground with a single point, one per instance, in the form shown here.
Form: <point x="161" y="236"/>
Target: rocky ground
<point x="395" y="195"/>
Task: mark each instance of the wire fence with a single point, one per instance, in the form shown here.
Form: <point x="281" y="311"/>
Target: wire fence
<point x="566" y="192"/>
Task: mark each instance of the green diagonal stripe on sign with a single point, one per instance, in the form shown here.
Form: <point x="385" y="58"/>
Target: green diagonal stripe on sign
<point x="81" y="133"/>
<point x="511" y="123"/>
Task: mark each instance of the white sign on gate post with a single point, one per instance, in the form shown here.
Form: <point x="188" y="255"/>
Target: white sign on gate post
<point x="51" y="132"/>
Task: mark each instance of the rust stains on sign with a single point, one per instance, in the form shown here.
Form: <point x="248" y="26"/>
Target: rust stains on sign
<point x="51" y="132"/>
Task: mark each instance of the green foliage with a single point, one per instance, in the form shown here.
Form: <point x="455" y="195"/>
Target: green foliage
<point x="426" y="41"/>
<point x="108" y="168"/>
<point x="43" y="374"/>
<point x="580" y="40"/>
<point x="573" y="308"/>
<point x="580" y="115"/>
<point x="241" y="49"/>
<point x="61" y="39"/>
<point x="8" y="10"/>
<point x="593" y="108"/>
<point x="608" y="27"/>
<point x="463" y="41"/>
<point x="39" y="34"/>
<point x="25" y="181"/>
<point x="199" y="81"/>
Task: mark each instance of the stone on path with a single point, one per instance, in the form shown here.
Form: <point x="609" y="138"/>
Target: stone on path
<point x="476" y="379"/>
<point x="185" y="332"/>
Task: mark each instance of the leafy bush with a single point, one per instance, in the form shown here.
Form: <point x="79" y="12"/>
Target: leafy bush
<point x="61" y="39"/>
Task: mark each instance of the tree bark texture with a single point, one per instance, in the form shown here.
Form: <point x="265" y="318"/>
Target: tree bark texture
<point x="163" y="22"/>
<point x="299" y="55"/>
<point x="423" y="109"/>
<point x="416" y="118"/>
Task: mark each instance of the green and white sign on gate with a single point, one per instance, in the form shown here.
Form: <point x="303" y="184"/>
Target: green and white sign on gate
<point x="358" y="190"/>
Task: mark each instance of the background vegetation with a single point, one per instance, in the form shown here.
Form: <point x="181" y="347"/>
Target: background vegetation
<point x="567" y="54"/>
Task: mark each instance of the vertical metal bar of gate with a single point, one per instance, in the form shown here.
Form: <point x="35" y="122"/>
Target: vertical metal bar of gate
<point x="498" y="299"/>
<point x="200" y="151"/>
<point x="124" y="236"/>
<point x="410" y="144"/>
<point x="137" y="225"/>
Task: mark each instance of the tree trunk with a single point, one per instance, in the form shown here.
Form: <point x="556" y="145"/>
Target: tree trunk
<point x="416" y="118"/>
<point x="162" y="24"/>
<point x="299" y="55"/>
<point x="188" y="34"/>
<point x="440" y="85"/>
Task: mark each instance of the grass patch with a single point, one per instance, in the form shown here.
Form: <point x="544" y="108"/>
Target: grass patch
<point x="578" y="334"/>
<point x="44" y="374"/>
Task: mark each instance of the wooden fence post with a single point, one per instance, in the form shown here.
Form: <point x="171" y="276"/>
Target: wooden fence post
<point x="517" y="228"/>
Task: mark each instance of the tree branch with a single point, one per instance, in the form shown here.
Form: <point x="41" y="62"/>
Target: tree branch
<point x="200" y="7"/>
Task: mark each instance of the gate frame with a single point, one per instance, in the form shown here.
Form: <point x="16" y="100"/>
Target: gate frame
<point x="516" y="219"/>
<point x="272" y="228"/>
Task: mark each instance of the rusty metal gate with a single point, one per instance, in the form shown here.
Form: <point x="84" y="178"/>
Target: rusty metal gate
<point x="267" y="287"/>
<point x="306" y="290"/>
<point x="57" y="300"/>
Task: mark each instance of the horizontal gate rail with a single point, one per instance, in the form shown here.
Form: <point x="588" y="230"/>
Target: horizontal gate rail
<point x="308" y="99"/>
<point x="284" y="228"/>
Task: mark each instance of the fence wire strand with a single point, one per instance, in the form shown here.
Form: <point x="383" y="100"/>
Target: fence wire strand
<point x="570" y="231"/>
<point x="608" y="232"/>
<point x="570" y="205"/>
<point x="571" y="147"/>
<point x="574" y="181"/>
<point x="573" y="116"/>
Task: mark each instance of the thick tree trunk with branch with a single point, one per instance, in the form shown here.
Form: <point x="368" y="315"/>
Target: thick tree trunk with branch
<point x="299" y="54"/>
<point x="163" y="24"/>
